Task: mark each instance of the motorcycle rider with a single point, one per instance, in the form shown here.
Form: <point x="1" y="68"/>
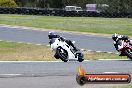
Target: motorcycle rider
<point x="118" y="40"/>
<point x="69" y="42"/>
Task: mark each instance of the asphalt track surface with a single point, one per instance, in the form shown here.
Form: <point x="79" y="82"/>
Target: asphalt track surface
<point x="84" y="41"/>
<point x="55" y="74"/>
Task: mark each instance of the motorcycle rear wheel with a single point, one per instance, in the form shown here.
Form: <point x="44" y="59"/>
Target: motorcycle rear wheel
<point x="80" y="56"/>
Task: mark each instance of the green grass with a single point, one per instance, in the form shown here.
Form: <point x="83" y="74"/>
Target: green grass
<point x="96" y="56"/>
<point x="79" y="24"/>
<point x="12" y="51"/>
<point x="125" y="86"/>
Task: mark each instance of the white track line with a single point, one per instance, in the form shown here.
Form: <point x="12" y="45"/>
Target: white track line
<point x="110" y="52"/>
<point x="38" y="61"/>
<point x="58" y="61"/>
<point x="37" y="44"/>
<point x="98" y="51"/>
<point x="21" y="42"/>
<point x="110" y="72"/>
<point x="113" y="59"/>
<point x="27" y="61"/>
<point x="10" y="74"/>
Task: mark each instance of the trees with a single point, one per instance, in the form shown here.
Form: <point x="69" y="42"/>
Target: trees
<point x="114" y="5"/>
<point x="117" y="5"/>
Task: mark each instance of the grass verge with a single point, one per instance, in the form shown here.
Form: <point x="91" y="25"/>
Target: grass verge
<point x="78" y="24"/>
<point x="124" y="86"/>
<point x="11" y="51"/>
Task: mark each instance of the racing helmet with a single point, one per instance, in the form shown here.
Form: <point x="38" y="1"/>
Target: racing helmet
<point x="115" y="36"/>
<point x="51" y="35"/>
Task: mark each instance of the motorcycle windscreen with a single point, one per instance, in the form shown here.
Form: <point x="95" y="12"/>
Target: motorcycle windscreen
<point x="52" y="41"/>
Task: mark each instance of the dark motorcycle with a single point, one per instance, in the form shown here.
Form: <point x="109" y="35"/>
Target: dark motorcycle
<point x="125" y="49"/>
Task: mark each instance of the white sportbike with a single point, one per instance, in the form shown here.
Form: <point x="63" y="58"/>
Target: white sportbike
<point x="64" y="51"/>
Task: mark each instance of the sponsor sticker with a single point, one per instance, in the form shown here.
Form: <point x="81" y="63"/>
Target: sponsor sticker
<point x="82" y="78"/>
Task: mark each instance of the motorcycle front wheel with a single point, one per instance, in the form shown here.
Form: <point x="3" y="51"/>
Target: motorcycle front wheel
<point x="63" y="54"/>
<point x="128" y="52"/>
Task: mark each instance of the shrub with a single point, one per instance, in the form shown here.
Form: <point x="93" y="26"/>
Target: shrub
<point x="7" y="3"/>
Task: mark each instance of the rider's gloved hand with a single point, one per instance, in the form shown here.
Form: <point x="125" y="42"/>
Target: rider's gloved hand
<point x="128" y="40"/>
<point x="62" y="38"/>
